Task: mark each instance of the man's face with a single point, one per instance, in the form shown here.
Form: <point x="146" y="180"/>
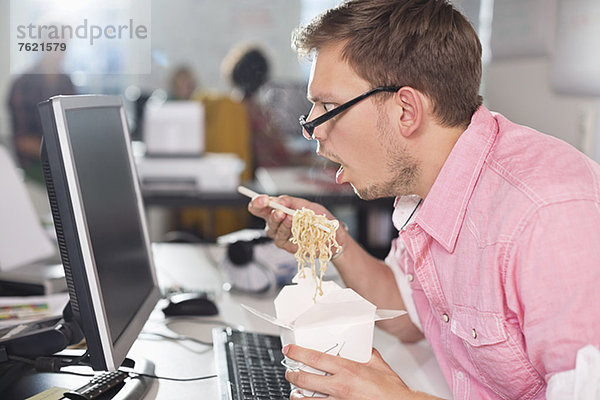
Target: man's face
<point x="364" y="140"/>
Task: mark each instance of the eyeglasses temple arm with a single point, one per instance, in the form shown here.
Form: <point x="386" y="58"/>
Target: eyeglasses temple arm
<point x="330" y="114"/>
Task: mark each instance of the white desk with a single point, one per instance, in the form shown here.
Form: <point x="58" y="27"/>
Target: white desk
<point x="189" y="266"/>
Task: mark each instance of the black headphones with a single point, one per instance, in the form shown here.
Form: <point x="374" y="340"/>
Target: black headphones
<point x="54" y="337"/>
<point x="241" y="253"/>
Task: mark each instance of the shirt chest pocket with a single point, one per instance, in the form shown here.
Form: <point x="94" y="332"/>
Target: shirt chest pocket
<point x="499" y="361"/>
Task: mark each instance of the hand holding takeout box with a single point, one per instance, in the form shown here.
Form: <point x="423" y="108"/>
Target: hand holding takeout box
<point x="339" y="322"/>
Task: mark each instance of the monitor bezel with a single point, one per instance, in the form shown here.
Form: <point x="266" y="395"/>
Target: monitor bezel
<point x="97" y="331"/>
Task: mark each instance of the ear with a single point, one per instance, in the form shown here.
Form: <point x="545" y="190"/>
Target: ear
<point x="410" y="103"/>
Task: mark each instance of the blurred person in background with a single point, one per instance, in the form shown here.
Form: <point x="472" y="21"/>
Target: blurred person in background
<point x="182" y="84"/>
<point x="43" y="80"/>
<point x="247" y="69"/>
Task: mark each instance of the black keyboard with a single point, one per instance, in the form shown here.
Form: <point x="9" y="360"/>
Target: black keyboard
<point x="249" y="365"/>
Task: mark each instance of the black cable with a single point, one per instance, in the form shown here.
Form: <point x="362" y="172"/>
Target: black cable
<point x="412" y="213"/>
<point x="76" y="373"/>
<point x="188" y="318"/>
<point x="177" y="338"/>
<point x="40" y="364"/>
<point x="51" y="363"/>
<point x="196" y="320"/>
<point x="133" y="374"/>
<point x="22" y="360"/>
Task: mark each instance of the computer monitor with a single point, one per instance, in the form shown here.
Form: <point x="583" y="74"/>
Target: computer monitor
<point x="174" y="128"/>
<point x="100" y="222"/>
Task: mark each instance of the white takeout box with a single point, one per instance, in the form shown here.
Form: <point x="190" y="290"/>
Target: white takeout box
<point x="340" y="322"/>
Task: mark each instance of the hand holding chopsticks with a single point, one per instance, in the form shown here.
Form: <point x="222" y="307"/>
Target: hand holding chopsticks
<point x="252" y="194"/>
<point x="273" y="204"/>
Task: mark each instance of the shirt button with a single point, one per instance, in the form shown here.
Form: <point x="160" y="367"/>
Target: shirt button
<point x="410" y="277"/>
<point x="445" y="317"/>
<point x="460" y="375"/>
<point x="474" y="333"/>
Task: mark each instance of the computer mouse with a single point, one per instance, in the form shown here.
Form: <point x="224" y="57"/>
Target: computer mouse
<point x="190" y="304"/>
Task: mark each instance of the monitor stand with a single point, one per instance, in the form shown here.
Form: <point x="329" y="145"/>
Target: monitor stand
<point x="21" y="382"/>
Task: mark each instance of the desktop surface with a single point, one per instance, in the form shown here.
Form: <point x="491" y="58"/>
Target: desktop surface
<point x="193" y="267"/>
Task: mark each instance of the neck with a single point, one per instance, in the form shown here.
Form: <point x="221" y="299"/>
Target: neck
<point x="436" y="146"/>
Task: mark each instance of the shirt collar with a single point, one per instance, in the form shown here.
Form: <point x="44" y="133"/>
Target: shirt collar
<point x="443" y="211"/>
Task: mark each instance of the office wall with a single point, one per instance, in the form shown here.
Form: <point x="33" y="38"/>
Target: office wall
<point x="520" y="89"/>
<point x="199" y="33"/>
<point x="518" y="80"/>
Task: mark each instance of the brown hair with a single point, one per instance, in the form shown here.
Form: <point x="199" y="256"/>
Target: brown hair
<point x="425" y="44"/>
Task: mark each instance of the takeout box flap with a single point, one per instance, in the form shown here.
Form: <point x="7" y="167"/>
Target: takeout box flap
<point x="296" y="309"/>
<point x="348" y="313"/>
<point x="388" y="314"/>
<point x="267" y="317"/>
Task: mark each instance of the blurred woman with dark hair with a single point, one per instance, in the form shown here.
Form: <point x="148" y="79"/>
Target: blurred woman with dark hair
<point x="247" y="69"/>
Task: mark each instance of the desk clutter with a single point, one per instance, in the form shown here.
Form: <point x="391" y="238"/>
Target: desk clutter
<point x="210" y="133"/>
<point x="253" y="264"/>
<point x="192" y="143"/>
<point x="174" y="128"/>
<point x="211" y="172"/>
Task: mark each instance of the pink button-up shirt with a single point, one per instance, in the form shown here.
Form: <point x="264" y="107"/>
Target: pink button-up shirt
<point x="503" y="260"/>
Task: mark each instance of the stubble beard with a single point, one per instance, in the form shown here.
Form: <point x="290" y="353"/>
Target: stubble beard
<point x="401" y="166"/>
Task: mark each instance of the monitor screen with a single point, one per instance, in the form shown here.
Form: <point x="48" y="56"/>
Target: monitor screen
<point x="100" y="222"/>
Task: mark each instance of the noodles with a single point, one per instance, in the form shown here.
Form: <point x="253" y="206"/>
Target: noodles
<point x="314" y="243"/>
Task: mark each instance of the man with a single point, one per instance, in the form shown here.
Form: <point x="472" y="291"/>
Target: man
<point x="37" y="84"/>
<point x="498" y="266"/>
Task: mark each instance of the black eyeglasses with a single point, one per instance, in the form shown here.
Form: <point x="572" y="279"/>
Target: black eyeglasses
<point x="309" y="126"/>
